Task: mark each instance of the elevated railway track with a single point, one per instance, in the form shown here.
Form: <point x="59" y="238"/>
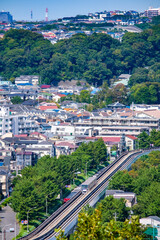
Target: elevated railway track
<point x="68" y="212"/>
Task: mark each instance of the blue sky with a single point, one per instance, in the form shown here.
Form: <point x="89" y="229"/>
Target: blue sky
<point x="21" y="9"/>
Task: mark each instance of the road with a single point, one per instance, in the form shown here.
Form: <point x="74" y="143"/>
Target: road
<point x="8" y="217"/>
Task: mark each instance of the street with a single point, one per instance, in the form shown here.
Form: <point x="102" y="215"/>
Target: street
<point x="8" y="220"/>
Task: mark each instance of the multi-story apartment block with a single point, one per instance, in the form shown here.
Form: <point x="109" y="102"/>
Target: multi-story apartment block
<point x="15" y="124"/>
<point x="27" y="79"/>
<point x="152" y="12"/>
<point x="117" y="125"/>
<point x="23" y="159"/>
<point x="6" y="17"/>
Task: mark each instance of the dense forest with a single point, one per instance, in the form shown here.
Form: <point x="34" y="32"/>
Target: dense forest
<point x="96" y="58"/>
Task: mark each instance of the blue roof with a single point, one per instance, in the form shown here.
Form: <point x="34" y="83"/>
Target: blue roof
<point x="66" y="93"/>
<point x="95" y="90"/>
<point x="25" y="84"/>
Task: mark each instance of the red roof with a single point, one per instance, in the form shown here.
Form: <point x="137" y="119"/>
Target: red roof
<point x="65" y="144"/>
<point x="45" y="86"/>
<point x="61" y="95"/>
<point x="43" y="108"/>
<point x="111" y="139"/>
<point x="91" y="138"/>
<point x="21" y="135"/>
<point x="106" y="139"/>
<point x="131" y="137"/>
<point x="38" y="133"/>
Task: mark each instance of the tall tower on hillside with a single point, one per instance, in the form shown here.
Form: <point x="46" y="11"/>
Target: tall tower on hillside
<point x="31" y="15"/>
<point x="46" y="15"/>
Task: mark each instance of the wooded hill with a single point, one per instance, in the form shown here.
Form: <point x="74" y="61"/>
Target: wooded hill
<point x="96" y="58"/>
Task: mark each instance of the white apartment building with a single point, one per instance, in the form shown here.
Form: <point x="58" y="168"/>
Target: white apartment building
<point x="70" y="130"/>
<point x="16" y="124"/>
<point x="152" y="12"/>
<point x="63" y="129"/>
<point x="116" y="125"/>
<point x="25" y="79"/>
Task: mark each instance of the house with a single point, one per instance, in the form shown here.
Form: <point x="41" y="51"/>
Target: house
<point x="38" y="136"/>
<point x="131" y="142"/>
<point x="109" y="141"/>
<point x="152" y="221"/>
<point x="122" y="79"/>
<point x="130" y="197"/>
<point x="63" y="129"/>
<point x="45" y="108"/>
<point x="65" y="148"/>
<point x="115" y="106"/>
<point x="4" y="181"/>
<point x="45" y="127"/>
<point x="42" y="148"/>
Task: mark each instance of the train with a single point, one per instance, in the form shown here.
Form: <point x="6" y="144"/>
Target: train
<point x="89" y="184"/>
<point x="72" y="194"/>
<point x="83" y="188"/>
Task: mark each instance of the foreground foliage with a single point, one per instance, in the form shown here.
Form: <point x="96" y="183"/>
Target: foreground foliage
<point x="90" y="227"/>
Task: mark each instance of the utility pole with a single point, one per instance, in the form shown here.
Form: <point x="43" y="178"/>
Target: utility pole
<point x="28" y="217"/>
<point x="15" y="230"/>
<point x="86" y="169"/>
<point x="115" y="216"/>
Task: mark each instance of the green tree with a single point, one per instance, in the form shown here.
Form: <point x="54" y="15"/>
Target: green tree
<point x="121" y="180"/>
<point x="100" y="151"/>
<point x="148" y="201"/>
<point x="110" y="206"/>
<point x="89" y="227"/>
<point x="16" y="100"/>
<point x="143" y="139"/>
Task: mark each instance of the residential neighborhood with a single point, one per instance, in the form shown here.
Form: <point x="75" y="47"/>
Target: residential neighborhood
<point x="43" y="125"/>
<point x="79" y="120"/>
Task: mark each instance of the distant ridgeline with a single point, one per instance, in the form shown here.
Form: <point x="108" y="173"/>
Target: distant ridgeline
<point x="96" y="58"/>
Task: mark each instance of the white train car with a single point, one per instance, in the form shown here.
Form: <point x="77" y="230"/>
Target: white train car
<point x="89" y="184"/>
